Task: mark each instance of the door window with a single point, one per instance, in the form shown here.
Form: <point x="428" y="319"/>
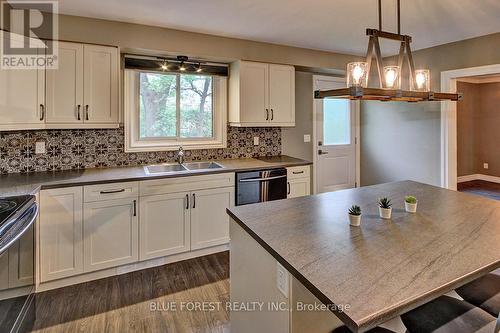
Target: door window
<point x="336" y="122"/>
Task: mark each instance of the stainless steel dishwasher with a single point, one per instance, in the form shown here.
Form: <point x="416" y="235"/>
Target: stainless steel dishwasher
<point x="260" y="186"/>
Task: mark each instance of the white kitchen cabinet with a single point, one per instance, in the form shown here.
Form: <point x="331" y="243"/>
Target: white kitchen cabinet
<point x="164" y="225"/>
<point x="299" y="181"/>
<point x="22" y="97"/>
<point x="101" y="79"/>
<point x="261" y="94"/>
<point x="209" y="220"/>
<point x="65" y="86"/>
<point x="61" y="242"/>
<point x="4" y="270"/>
<point x="21" y="268"/>
<point x="110" y="233"/>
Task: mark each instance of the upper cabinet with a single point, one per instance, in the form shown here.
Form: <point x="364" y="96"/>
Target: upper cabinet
<point x="81" y="93"/>
<point x="261" y="94"/>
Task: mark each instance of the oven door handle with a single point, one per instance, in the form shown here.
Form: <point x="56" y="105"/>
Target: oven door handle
<point x="248" y="180"/>
<point x="27" y="219"/>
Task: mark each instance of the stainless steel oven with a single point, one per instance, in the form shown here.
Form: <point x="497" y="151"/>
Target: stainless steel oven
<point x="260" y="186"/>
<point x="17" y="263"/>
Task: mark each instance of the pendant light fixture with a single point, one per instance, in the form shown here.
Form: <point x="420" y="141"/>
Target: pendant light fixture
<point x="389" y="77"/>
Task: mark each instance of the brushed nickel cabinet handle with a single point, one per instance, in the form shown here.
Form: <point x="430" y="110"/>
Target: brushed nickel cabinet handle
<point x="87" y="112"/>
<point x="78" y="112"/>
<point x="42" y="112"/>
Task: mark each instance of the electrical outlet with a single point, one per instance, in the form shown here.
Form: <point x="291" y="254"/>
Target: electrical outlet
<point x="255" y="140"/>
<point x="40" y="147"/>
<point x="282" y="279"/>
<point x="307" y="138"/>
<point x="485" y="165"/>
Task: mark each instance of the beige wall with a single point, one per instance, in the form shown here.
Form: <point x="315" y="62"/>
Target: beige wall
<point x="466" y="128"/>
<point x="403" y="140"/>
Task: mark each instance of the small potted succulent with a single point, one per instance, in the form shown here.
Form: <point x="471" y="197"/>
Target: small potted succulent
<point x="385" y="208"/>
<point x="410" y="204"/>
<point x="355" y="215"/>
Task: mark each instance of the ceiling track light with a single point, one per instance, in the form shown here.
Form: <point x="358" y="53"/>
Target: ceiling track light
<point x="389" y="77"/>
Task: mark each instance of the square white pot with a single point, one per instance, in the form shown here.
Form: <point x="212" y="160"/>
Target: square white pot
<point x="355" y="220"/>
<point x="411" y="207"/>
<point x="385" y="213"/>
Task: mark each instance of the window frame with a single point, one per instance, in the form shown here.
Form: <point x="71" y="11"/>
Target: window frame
<point x="133" y="142"/>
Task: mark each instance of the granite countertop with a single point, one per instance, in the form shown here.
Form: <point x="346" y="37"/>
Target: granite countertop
<point x="385" y="267"/>
<point x="19" y="184"/>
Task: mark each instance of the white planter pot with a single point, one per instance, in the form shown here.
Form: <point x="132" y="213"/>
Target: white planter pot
<point x="355" y="220"/>
<point x="411" y="207"/>
<point x="385" y="213"/>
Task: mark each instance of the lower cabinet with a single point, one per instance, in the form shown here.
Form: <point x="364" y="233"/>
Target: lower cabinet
<point x="110" y="233"/>
<point x="299" y="181"/>
<point x="4" y="270"/>
<point x="164" y="225"/>
<point x="61" y="238"/>
<point x="209" y="220"/>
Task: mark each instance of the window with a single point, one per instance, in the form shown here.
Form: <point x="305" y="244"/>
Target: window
<point x="336" y="122"/>
<point x="167" y="110"/>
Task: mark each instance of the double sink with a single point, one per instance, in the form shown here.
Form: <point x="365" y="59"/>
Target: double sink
<point x="177" y="167"/>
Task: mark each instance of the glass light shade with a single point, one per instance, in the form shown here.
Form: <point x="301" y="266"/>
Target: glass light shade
<point x="357" y="74"/>
<point x="391" y="77"/>
<point x="422" y="80"/>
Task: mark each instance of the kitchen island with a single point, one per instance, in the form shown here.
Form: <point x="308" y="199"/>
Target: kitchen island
<point x="303" y="251"/>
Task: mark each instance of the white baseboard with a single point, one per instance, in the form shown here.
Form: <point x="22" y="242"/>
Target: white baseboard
<point x="478" y="176"/>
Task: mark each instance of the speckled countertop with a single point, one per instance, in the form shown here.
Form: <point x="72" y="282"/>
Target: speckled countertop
<point x="385" y="267"/>
<point x="19" y="184"/>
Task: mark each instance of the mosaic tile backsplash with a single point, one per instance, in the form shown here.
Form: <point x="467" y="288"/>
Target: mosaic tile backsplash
<point x="100" y="148"/>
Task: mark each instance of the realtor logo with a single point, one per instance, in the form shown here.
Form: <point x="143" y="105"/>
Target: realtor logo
<point x="30" y="41"/>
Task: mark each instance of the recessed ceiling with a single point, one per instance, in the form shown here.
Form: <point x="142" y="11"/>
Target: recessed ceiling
<point x="331" y="25"/>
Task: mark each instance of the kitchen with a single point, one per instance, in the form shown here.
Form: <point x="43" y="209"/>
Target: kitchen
<point x="127" y="158"/>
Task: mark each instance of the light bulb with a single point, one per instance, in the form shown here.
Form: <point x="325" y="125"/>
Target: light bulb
<point x="422" y="79"/>
<point x="391" y="74"/>
<point x="357" y="73"/>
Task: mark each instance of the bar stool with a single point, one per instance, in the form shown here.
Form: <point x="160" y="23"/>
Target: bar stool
<point x="344" y="329"/>
<point x="449" y="315"/>
<point x="483" y="292"/>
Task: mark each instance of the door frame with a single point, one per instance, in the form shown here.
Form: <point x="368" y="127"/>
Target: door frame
<point x="449" y="121"/>
<point x="356" y="105"/>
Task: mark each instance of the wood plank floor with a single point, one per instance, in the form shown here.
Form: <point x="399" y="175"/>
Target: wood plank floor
<point x="123" y="303"/>
<point x="481" y="187"/>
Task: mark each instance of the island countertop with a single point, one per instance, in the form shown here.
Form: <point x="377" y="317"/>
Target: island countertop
<point x="385" y="267"/>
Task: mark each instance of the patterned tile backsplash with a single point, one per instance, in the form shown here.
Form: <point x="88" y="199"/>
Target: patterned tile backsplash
<point x="100" y="148"/>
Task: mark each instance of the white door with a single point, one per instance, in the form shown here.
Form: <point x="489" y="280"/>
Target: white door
<point x="254" y="92"/>
<point x="336" y="164"/>
<point x="282" y="94"/>
<point x="22" y="96"/>
<point x="100" y="84"/>
<point x="61" y="245"/>
<point x="110" y="234"/>
<point x="65" y="86"/>
<point x="209" y="220"/>
<point x="164" y="225"/>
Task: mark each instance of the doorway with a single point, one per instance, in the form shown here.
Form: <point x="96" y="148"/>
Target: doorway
<point x="336" y="139"/>
<point x="449" y="122"/>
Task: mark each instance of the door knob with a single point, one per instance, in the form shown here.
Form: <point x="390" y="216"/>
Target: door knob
<point x="320" y="152"/>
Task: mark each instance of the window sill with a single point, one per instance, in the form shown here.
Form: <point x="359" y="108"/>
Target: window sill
<point x="146" y="147"/>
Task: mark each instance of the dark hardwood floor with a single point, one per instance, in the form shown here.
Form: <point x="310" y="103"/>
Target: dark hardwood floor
<point x="123" y="303"/>
<point x="481" y="187"/>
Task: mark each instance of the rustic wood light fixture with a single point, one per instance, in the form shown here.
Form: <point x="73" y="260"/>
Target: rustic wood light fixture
<point x="389" y="76"/>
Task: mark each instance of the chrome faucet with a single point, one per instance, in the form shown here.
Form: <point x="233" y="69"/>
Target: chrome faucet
<point x="180" y="155"/>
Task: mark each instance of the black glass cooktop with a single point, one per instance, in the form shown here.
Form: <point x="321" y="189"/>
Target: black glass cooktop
<point x="11" y="205"/>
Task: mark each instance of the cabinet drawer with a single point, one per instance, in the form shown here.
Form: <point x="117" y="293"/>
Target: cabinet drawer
<point x="110" y="191"/>
<point x="298" y="172"/>
<point x="186" y="184"/>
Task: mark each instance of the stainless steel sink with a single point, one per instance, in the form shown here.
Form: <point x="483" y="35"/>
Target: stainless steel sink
<point x="164" y="168"/>
<point x="203" y="165"/>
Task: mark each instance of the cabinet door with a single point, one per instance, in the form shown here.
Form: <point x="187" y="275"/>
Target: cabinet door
<point x="298" y="187"/>
<point x="65" y="86"/>
<point x="254" y="92"/>
<point x="22" y="96"/>
<point x="110" y="234"/>
<point x="4" y="270"/>
<point x="164" y="225"/>
<point x="282" y="94"/>
<point x="209" y="220"/>
<point x="61" y="246"/>
<point x="101" y="79"/>
<point x="21" y="267"/>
